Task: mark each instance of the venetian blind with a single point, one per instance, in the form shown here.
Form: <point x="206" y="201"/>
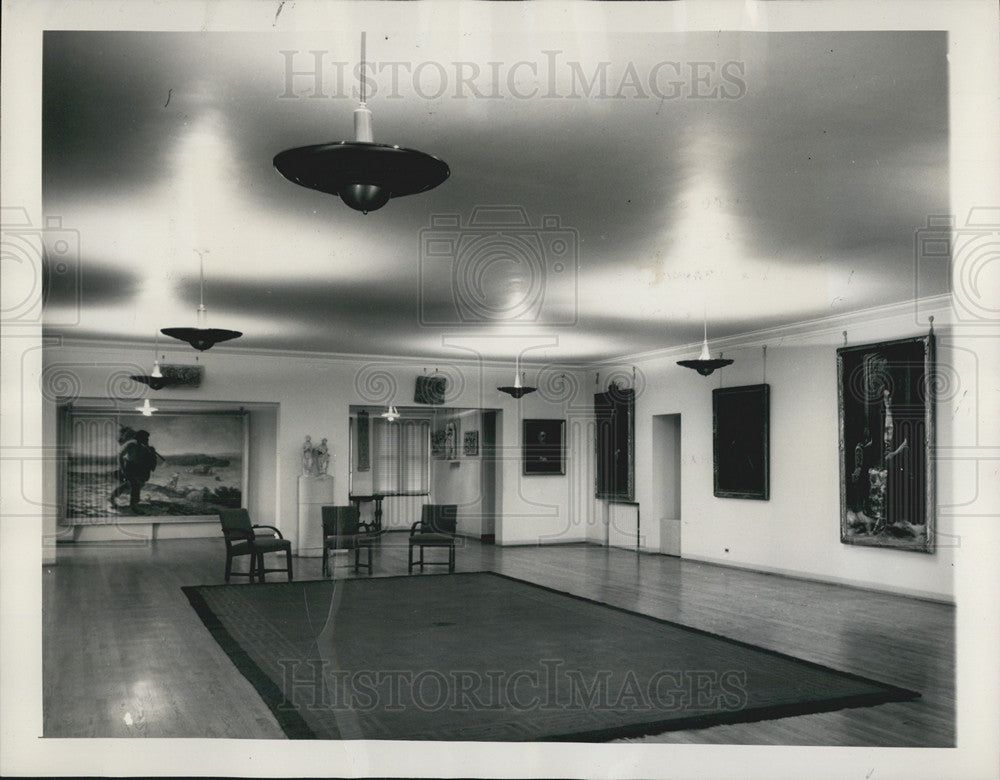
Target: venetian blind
<point x="401" y="457"/>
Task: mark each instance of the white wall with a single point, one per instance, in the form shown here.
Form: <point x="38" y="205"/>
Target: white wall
<point x="797" y="531"/>
<point x="313" y="395"/>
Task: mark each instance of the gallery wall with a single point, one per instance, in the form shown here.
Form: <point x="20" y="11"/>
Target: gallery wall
<point x="313" y="395"/>
<point x="796" y="531"/>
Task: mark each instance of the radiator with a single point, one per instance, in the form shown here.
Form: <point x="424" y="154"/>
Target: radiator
<point x="623" y="525"/>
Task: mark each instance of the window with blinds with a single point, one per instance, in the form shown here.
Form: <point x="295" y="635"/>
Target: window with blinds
<point x="401" y="464"/>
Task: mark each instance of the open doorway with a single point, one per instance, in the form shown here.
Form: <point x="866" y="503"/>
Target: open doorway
<point x="667" y="481"/>
<point x="440" y="455"/>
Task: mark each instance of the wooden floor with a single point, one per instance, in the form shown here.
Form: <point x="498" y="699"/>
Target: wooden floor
<point x="125" y="655"/>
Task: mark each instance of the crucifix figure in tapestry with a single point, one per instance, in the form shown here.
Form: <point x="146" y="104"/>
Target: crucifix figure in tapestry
<point x="886" y="435"/>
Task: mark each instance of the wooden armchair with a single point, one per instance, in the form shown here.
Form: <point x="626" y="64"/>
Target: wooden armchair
<point x="241" y="539"/>
<point x="343" y="530"/>
<point x="435" y="528"/>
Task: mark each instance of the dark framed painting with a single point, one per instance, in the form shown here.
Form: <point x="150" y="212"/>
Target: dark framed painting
<point x="887" y="480"/>
<point x="614" y="415"/>
<point x="544" y="443"/>
<point x="364" y="442"/>
<point x="471" y="443"/>
<point x="741" y="442"/>
<point x="171" y="464"/>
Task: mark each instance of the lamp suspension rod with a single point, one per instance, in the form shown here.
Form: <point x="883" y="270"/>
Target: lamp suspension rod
<point x="201" y="284"/>
<point x="363" y="65"/>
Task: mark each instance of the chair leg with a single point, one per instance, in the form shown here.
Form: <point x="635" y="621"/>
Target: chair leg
<point x="229" y="565"/>
<point x="410" y="566"/>
<point x="288" y="561"/>
<point x="451" y="559"/>
<point x="261" y="576"/>
<point x="326" y="561"/>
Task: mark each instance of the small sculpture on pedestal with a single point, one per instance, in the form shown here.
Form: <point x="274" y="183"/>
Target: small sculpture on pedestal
<point x="322" y="455"/>
<point x="315" y="458"/>
<point x="308" y="459"/>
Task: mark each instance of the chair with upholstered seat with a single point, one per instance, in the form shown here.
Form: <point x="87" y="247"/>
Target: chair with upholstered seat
<point x="436" y="528"/>
<point x="343" y="530"/>
<point x="242" y="538"/>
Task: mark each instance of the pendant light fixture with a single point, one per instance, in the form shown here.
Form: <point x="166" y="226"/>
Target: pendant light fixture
<point x="202" y="337"/>
<point x="146" y="409"/>
<point x="155" y="379"/>
<point x="390" y="414"/>
<point x="704" y="365"/>
<point x="518" y="389"/>
<point x="364" y="174"/>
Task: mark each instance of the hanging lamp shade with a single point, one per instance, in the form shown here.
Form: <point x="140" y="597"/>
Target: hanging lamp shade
<point x="156" y="380"/>
<point x="390" y="414"/>
<point x="364" y="174"/>
<point x="705" y="365"/>
<point x="517" y="390"/>
<point x="201" y="337"/>
<point x="146" y="409"/>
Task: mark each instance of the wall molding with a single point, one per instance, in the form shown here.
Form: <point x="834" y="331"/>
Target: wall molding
<point x="848" y="582"/>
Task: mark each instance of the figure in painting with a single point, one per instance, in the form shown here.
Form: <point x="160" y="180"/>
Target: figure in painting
<point x="867" y="499"/>
<point x="136" y="462"/>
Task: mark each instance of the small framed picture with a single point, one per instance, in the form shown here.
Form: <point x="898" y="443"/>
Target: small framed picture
<point x="471" y="443"/>
<point x="544" y="446"/>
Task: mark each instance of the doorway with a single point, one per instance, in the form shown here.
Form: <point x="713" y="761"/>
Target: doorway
<point x="667" y="481"/>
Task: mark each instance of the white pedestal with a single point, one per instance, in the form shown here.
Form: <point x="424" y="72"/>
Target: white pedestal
<point x="314" y="492"/>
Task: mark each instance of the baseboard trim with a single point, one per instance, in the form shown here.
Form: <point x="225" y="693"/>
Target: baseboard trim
<point x="913" y="593"/>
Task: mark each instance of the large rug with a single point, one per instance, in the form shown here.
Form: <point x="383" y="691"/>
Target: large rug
<point x="482" y="656"/>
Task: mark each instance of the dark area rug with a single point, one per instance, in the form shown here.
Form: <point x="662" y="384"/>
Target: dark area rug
<point x="481" y="656"/>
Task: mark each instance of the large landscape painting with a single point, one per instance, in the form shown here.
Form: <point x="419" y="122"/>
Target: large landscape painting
<point x="200" y="465"/>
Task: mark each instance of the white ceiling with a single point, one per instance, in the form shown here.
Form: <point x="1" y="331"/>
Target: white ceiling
<point x="792" y="192"/>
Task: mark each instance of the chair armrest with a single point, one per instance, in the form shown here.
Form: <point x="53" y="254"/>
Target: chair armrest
<point x="271" y="527"/>
<point x="416" y="528"/>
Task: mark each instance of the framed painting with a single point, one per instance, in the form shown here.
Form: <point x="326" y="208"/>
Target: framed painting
<point x="170" y="464"/>
<point x="886" y="405"/>
<point x="471" y="443"/>
<point x="544" y="443"/>
<point x="364" y="442"/>
<point x="741" y="441"/>
<point x="614" y="415"/>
